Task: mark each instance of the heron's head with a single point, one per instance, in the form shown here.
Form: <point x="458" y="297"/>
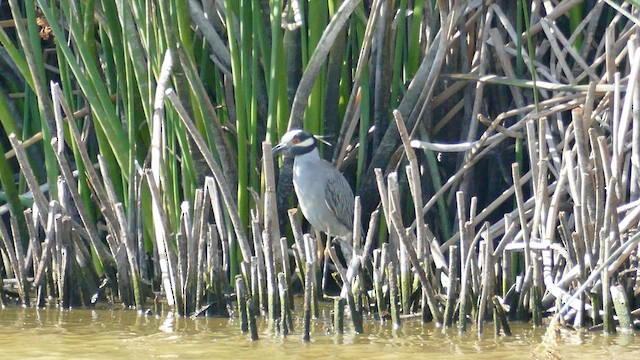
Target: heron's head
<point x="295" y="142"/>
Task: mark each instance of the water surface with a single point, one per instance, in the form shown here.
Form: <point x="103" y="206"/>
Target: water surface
<point x="108" y="334"/>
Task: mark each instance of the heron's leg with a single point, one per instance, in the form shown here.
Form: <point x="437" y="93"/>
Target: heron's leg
<point x="321" y="248"/>
<point x="325" y="267"/>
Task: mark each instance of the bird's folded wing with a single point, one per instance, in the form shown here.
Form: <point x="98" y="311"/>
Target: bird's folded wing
<point x="339" y="199"/>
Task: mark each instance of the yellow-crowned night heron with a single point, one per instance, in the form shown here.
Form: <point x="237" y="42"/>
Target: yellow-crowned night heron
<point x="324" y="195"/>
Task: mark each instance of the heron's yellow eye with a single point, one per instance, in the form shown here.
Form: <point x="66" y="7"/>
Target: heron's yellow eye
<point x="295" y="141"/>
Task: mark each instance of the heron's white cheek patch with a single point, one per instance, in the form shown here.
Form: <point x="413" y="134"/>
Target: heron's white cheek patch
<point x="305" y="143"/>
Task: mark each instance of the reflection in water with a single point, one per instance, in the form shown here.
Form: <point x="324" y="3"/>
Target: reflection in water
<point x="102" y="334"/>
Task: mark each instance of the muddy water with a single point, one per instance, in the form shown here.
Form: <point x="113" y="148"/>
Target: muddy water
<point x="113" y="334"/>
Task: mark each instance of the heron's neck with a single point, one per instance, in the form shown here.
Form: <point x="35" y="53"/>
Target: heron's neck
<point x="311" y="156"/>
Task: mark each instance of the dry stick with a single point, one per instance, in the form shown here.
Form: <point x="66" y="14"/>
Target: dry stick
<point x="34" y="251"/>
<point x="380" y="260"/>
<point x="229" y="202"/>
<point x="338" y="315"/>
<point x="154" y="178"/>
<point x="496" y="322"/>
<point x="272" y="295"/>
<point x="260" y="263"/>
<point x="103" y="256"/>
<point x="406" y="275"/>
<point x="7" y="246"/>
<point x="63" y="233"/>
<point x="414" y="183"/>
<point x="256" y="289"/>
<point x="347" y="289"/>
<point x="218" y="215"/>
<point x="413" y="258"/>
<point x="308" y="289"/>
<point x="350" y="119"/>
<point x="474" y="147"/>
<point x="554" y="36"/>
<point x="356" y="246"/>
<point x="609" y="326"/>
<point x="487" y="280"/>
<point x="552" y="218"/>
<point x="464" y="284"/>
<point x="298" y="237"/>
<point x="452" y="291"/>
<point x="540" y="215"/>
<point x="181" y="254"/>
<point x="610" y="234"/>
<point x="498" y="227"/>
<point x="285" y="310"/>
<point x="557" y="52"/>
<point x="635" y="146"/>
<point x="27" y="172"/>
<point x="615" y="119"/>
<point x="96" y="184"/>
<point x="515" y="171"/>
<point x="46" y="250"/>
<point x="625" y="117"/>
<point x="506" y="262"/>
<point x="130" y="249"/>
<point x="202" y="221"/>
<point x="393" y="295"/>
<point x="219" y="269"/>
<point x="34" y="139"/>
<point x="599" y="183"/>
<point x="507" y="67"/>
<point x="220" y="56"/>
<point x="533" y="155"/>
<point x="621" y="304"/>
<point x="167" y="269"/>
<point x="271" y="222"/>
<point x="317" y="60"/>
<point x="241" y="296"/>
<point x="586" y="187"/>
<point x="311" y="252"/>
<point x="286" y="267"/>
<point x="611" y="263"/>
<point x="188" y="252"/>
<point x="371" y="233"/>
<point x="298" y="248"/>
<point x="198" y="231"/>
<point x="21" y="276"/>
<point x="463" y="228"/>
<point x="502" y="315"/>
<point x="450" y="182"/>
<point x="253" y="327"/>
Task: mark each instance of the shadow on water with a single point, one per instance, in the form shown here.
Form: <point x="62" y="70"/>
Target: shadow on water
<point x="94" y="334"/>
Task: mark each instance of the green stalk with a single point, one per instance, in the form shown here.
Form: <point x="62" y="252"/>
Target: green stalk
<point x="17" y="58"/>
<point x="575" y="18"/>
<point x="9" y="187"/>
<point x="365" y="115"/>
<point x="93" y="87"/>
<point x="397" y="79"/>
<point x="44" y="105"/>
<point x="436" y="179"/>
<point x="241" y="126"/>
<point x="253" y="131"/>
<point x="314" y="116"/>
<point x="532" y="70"/>
<point x="6" y="119"/>
<point x="414" y="52"/>
<point x="274" y="75"/>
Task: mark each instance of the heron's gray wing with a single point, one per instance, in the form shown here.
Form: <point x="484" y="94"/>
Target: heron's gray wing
<point x="339" y="198"/>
